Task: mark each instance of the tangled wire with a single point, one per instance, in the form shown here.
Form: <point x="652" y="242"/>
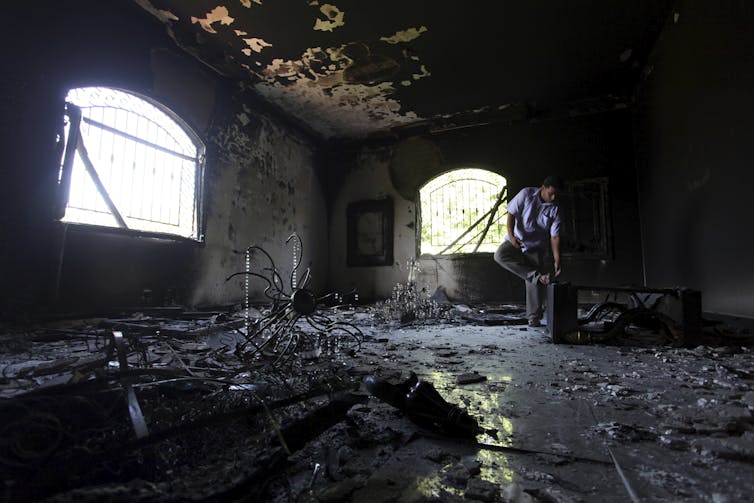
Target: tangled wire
<point x="293" y="324"/>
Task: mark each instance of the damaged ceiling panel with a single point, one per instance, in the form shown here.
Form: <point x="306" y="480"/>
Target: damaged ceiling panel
<point x="352" y="70"/>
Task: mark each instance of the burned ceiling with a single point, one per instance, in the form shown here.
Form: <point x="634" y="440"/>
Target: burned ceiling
<point x="353" y="70"/>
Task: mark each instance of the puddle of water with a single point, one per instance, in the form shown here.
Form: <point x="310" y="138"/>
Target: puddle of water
<point x="484" y="405"/>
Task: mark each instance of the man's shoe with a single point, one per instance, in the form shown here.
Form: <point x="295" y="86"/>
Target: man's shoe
<point x="534" y="322"/>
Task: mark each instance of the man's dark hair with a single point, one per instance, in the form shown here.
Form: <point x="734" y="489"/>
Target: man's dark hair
<point x="554" y="181"/>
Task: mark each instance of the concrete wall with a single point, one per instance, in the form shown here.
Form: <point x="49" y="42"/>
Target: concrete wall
<point x="695" y="125"/>
<point x="260" y="181"/>
<point x="598" y="145"/>
<point x="262" y="189"/>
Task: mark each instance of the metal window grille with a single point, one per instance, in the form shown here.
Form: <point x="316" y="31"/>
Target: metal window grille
<point x="132" y="164"/>
<point x="463" y="211"/>
<point x="586" y="217"/>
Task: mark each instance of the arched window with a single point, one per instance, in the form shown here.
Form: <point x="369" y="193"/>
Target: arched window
<point x="129" y="163"/>
<point x="463" y="211"/>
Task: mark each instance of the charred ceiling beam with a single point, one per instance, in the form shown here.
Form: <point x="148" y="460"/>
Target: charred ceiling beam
<point x="519" y="113"/>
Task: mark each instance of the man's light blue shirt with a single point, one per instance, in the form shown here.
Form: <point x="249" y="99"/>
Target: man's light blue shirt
<point x="536" y="220"/>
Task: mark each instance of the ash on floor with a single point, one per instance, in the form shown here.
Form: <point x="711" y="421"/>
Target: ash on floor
<point x="563" y="423"/>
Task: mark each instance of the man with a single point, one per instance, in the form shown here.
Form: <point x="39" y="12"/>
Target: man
<point x="533" y="222"/>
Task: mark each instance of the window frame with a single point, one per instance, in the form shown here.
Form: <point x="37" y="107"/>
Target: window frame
<point x="576" y="218"/>
<point x="500" y="207"/>
<point x="68" y="149"/>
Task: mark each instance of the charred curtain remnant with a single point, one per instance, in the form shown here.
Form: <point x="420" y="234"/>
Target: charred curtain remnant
<point x="278" y="333"/>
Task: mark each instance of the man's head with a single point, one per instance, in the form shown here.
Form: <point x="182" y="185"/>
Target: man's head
<point x="550" y="189"/>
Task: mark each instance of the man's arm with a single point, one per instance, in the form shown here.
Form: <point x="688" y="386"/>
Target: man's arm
<point x="555" y="244"/>
<point x="511" y="223"/>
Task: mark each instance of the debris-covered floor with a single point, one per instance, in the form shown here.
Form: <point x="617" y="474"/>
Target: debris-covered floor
<point x="172" y="410"/>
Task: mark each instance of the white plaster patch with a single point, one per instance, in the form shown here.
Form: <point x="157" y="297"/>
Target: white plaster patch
<point x="334" y="19"/>
<point x="217" y="15"/>
<point x="162" y="15"/>
<point x="626" y="55"/>
<point x="405" y="83"/>
<point x="240" y="33"/>
<point x="423" y="72"/>
<point x="337" y="56"/>
<point x="405" y="35"/>
<point x="247" y="3"/>
<point x="256" y="44"/>
<point x="282" y="68"/>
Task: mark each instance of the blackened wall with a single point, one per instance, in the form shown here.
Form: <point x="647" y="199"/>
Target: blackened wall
<point x="255" y="167"/>
<point x="524" y="152"/>
<point x="694" y="130"/>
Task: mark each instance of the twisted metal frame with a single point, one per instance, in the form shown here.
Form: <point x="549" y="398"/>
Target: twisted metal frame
<point x="279" y="331"/>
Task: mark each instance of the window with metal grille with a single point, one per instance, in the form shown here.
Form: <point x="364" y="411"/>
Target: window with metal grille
<point x="463" y="211"/>
<point x="129" y="163"/>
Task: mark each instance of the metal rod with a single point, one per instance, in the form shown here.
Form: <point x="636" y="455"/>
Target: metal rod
<point x="74" y="114"/>
<point x="112" y="130"/>
<point x="492" y="217"/>
<point x="98" y="183"/>
<point x="451" y="245"/>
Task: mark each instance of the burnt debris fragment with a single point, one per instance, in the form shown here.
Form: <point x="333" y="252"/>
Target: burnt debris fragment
<point x="424" y="405"/>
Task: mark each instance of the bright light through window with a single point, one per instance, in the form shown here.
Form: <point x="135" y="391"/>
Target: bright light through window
<point x="137" y="166"/>
<point x="463" y="211"/>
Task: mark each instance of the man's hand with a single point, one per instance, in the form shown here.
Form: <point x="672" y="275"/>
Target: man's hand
<point x="515" y="241"/>
<point x="555" y="243"/>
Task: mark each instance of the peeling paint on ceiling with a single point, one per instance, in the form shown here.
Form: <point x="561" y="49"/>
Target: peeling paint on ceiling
<point x="334" y="18"/>
<point x="405" y="35"/>
<point x="351" y="77"/>
<point x="217" y="15"/>
<point x="384" y="64"/>
<point x="361" y="108"/>
<point x="255" y="44"/>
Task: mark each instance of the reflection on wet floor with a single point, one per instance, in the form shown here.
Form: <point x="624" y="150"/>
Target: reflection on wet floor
<point x="567" y="404"/>
<point x="484" y="403"/>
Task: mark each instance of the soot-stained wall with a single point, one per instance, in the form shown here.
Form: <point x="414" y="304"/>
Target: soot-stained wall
<point x="588" y="146"/>
<point x="259" y="185"/>
<point x="694" y="129"/>
<point x="263" y="189"/>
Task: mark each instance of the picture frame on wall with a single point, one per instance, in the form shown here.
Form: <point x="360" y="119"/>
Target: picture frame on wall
<point x="370" y="232"/>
